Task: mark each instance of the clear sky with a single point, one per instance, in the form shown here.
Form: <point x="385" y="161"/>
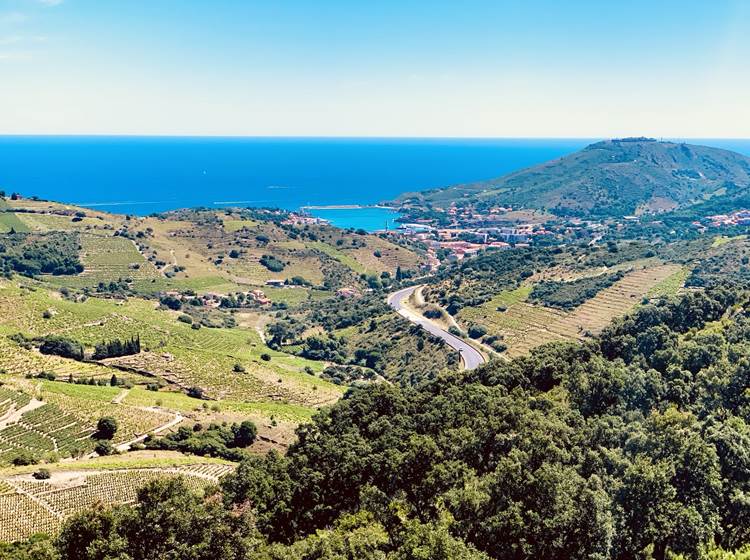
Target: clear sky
<point x="523" y="68"/>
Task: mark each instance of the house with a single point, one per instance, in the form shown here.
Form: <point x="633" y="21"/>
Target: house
<point x="347" y="292"/>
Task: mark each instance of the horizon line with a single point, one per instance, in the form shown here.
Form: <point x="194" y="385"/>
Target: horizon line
<point x="363" y="137"/>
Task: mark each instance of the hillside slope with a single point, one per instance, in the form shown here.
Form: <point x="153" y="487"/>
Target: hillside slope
<point x="610" y="178"/>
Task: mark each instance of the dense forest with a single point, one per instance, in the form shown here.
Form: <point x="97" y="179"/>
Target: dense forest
<point x="632" y="445"/>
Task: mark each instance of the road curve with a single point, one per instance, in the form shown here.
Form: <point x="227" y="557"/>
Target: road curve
<point x="470" y="356"/>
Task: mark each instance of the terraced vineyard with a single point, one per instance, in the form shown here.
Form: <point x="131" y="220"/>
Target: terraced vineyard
<point x="28" y="506"/>
<point x="108" y="258"/>
<point x="524" y="326"/>
<point x="16" y="360"/>
<point x="89" y="403"/>
<point x="188" y="357"/>
<point x="46" y="429"/>
<point x="11" y="401"/>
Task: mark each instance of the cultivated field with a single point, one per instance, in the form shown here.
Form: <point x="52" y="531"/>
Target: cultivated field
<point x="29" y="506"/>
<point x="172" y="350"/>
<point x="524" y="326"/>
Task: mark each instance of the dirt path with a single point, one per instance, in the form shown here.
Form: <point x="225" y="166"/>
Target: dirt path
<point x="173" y="263"/>
<point x="15" y="415"/>
<point x="172" y="423"/>
<point x="120" y="396"/>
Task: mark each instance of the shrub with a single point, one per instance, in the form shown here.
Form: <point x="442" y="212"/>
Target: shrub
<point x="271" y="263"/>
<point x="23" y="457"/>
<point x="42" y="474"/>
<point x="59" y="346"/>
<point x="265" y="357"/>
<point x="196" y="393"/>
<point x="104" y="447"/>
<point x="433" y="313"/>
<point x="455" y="331"/>
<point x="171" y="302"/>
<point x="477" y="331"/>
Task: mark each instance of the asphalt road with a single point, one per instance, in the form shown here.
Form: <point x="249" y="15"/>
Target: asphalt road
<point x="470" y="356"/>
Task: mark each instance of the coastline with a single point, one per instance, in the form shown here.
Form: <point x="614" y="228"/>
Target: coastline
<point x="346" y="207"/>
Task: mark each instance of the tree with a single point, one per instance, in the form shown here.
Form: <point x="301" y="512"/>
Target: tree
<point x="244" y="434"/>
<point x="106" y="428"/>
<point x="168" y="521"/>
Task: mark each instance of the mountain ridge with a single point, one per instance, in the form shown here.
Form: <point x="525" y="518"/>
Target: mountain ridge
<point x="609" y="178"/>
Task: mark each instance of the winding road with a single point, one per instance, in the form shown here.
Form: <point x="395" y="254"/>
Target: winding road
<point x="470" y="356"/>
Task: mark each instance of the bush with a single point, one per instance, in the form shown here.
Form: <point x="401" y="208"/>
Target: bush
<point x="23" y="457"/>
<point x="59" y="346"/>
<point x="171" y="302"/>
<point x="271" y="263"/>
<point x="265" y="357"/>
<point x="196" y="393"/>
<point x="185" y="319"/>
<point x="216" y="440"/>
<point x="104" y="447"/>
<point x="455" y="331"/>
<point x="477" y="331"/>
<point x="42" y="474"/>
<point x="433" y="313"/>
<point x="238" y="368"/>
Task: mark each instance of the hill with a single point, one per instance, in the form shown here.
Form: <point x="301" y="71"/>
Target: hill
<point x="609" y="178"/>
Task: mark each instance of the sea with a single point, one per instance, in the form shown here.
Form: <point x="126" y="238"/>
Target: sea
<point x="146" y="175"/>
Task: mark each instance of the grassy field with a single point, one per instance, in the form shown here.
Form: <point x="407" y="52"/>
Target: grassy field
<point x="339" y="255"/>
<point x="10" y="221"/>
<point x="723" y="239"/>
<point x="671" y="285"/>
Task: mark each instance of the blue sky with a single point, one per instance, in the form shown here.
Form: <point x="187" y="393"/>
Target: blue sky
<point x="388" y="68"/>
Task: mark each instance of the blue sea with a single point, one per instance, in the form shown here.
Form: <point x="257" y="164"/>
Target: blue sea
<point x="143" y="175"/>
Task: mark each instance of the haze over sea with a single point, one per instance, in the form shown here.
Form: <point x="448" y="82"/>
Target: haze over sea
<point x="143" y="175"/>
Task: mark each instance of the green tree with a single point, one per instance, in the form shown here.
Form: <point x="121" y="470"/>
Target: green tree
<point x="106" y="427"/>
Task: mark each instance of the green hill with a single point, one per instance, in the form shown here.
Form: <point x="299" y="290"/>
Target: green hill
<point x="609" y="178"/>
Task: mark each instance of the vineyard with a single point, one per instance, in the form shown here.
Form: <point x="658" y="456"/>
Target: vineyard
<point x="55" y="222"/>
<point x="107" y="259"/>
<point x="524" y="326"/>
<point x="172" y="349"/>
<point x="45" y="430"/>
<point x="29" y="506"/>
<point x="90" y="403"/>
<point x="63" y="422"/>
<point x="11" y="400"/>
<point x="16" y="360"/>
